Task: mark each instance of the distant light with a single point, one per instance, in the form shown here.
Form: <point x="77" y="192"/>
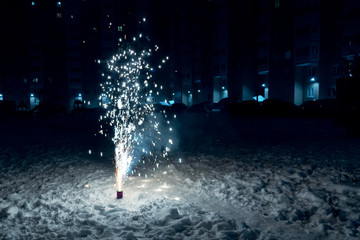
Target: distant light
<point x="33" y="3"/>
<point x="199" y="90"/>
<point x="188" y="91"/>
<point x="88" y="102"/>
<point x="1" y="97"/>
<point x="350" y="75"/>
<point x="222" y="87"/>
<point x="31" y="95"/>
<point x="312" y="79"/>
<point x="89" y="151"/>
<point x="263" y="85"/>
<point x="144" y="19"/>
<point x="80" y="95"/>
<point x="59" y="4"/>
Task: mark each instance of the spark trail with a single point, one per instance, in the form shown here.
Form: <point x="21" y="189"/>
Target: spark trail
<point x="127" y="89"/>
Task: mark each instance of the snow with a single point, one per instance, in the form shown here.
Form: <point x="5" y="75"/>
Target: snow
<point x="228" y="178"/>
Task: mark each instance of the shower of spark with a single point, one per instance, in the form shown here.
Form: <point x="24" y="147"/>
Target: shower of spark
<point x="127" y="89"/>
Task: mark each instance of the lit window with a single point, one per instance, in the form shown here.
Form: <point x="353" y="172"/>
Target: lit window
<point x="72" y="16"/>
<point x="58" y="15"/>
<point x="287" y="55"/>
<point x="310" y="92"/>
<point x="1" y="97"/>
<point x="58" y="4"/>
<point x="119" y="28"/>
<point x="33" y="3"/>
<point x="277" y="3"/>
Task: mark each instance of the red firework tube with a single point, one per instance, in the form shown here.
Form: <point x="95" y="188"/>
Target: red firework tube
<point x="119" y="194"/>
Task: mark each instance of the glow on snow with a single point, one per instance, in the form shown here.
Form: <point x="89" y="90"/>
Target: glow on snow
<point x="127" y="89"/>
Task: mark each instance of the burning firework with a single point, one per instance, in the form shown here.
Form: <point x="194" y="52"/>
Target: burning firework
<point x="127" y="96"/>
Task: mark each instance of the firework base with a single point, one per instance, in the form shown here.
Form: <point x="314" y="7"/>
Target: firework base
<point x="119" y="194"/>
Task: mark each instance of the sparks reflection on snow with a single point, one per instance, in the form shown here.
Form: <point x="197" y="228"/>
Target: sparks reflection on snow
<point x="127" y="96"/>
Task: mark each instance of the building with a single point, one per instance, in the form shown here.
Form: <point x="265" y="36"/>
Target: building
<point x="293" y="50"/>
<point x="212" y="60"/>
<point x="61" y="43"/>
<point x="301" y="47"/>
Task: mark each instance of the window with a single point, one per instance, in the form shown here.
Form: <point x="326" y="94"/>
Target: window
<point x="58" y="15"/>
<point x="119" y="28"/>
<point x="311" y="72"/>
<point x="262" y="44"/>
<point x="303" y="10"/>
<point x="75" y="80"/>
<point x="315" y="28"/>
<point x="33" y="3"/>
<point x="262" y="60"/>
<point x="314" y="51"/>
<point x="310" y="92"/>
<point x="263" y="28"/>
<point x="302" y="31"/>
<point x="332" y="91"/>
<point x="277" y="3"/>
<point x="287" y="55"/>
<point x="302" y="51"/>
<point x="287" y="73"/>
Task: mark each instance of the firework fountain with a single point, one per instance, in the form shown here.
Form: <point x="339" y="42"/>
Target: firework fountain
<point x="127" y="90"/>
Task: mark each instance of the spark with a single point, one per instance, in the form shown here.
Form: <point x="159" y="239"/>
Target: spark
<point x="127" y="98"/>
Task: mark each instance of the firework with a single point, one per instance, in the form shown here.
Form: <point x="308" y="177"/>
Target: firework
<point x="127" y="89"/>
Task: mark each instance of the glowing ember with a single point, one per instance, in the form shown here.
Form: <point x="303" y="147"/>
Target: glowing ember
<point x="127" y="97"/>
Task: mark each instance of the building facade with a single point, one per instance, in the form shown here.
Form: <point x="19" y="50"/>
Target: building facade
<point x="302" y="46"/>
<point x="293" y="50"/>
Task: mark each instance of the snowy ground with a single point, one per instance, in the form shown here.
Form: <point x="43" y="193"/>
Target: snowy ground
<point x="246" y="178"/>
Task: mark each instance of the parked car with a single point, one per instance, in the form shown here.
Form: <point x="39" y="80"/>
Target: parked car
<point x="278" y="107"/>
<point x="250" y="107"/>
<point x="222" y="105"/>
<point x="324" y="107"/>
<point x="178" y="108"/>
<point x="203" y="107"/>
